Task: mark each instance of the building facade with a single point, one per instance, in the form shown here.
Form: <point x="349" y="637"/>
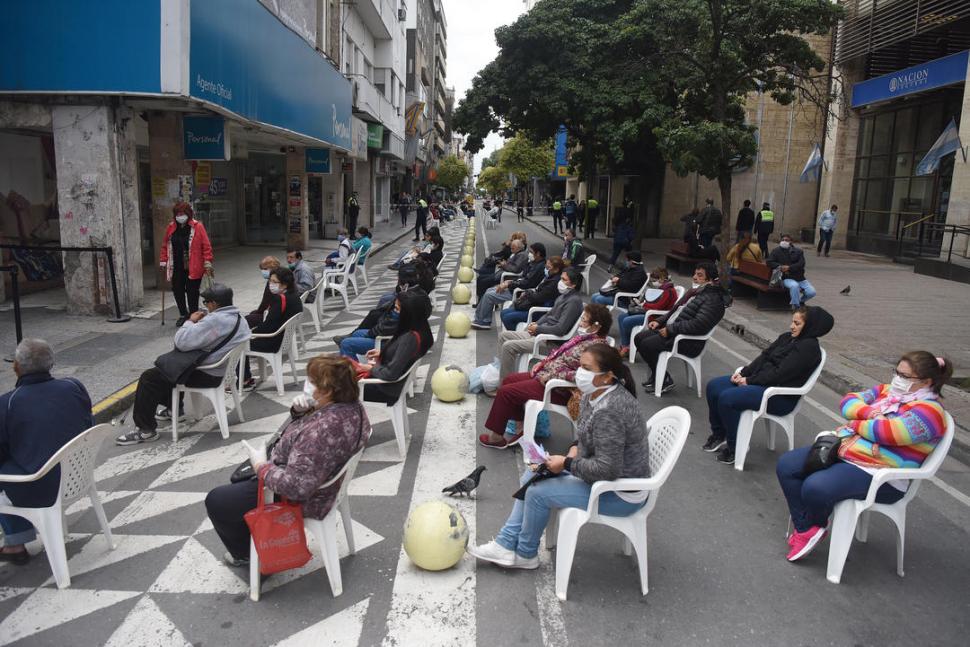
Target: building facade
<point x="236" y="106"/>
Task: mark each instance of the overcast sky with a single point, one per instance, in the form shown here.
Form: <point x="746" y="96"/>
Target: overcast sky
<point x="471" y="44"/>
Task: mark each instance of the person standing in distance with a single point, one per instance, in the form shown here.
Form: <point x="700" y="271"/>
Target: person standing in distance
<point x="764" y="224"/>
<point x="186" y="256"/>
<point x="826" y="227"/>
<point x="353" y="211"/>
<point x="745" y="221"/>
<point x="421" y="219"/>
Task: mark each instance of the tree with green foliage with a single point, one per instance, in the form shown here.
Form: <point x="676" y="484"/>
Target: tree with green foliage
<point x="491" y="159"/>
<point x="494" y="180"/>
<point x="524" y="159"/>
<point x="452" y="173"/>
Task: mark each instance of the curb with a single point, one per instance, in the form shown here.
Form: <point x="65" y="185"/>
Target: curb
<point x="840" y="381"/>
<point x="109" y="408"/>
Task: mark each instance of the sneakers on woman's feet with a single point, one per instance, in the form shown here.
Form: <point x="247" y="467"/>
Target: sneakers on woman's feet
<point x="802" y="543"/>
<point x="232" y="561"/>
<point x="249" y="385"/>
<point x="714" y="444"/>
<point x="496" y="554"/>
<point x="486" y="441"/>
<point x="136" y="437"/>
<point x="481" y="326"/>
<point x="726" y="455"/>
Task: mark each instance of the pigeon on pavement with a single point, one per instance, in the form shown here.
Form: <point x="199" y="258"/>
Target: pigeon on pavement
<point x="467" y="485"/>
<point x="845" y="290"/>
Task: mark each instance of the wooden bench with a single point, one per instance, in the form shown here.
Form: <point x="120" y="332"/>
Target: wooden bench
<point x="752" y="278"/>
<point x="679" y="259"/>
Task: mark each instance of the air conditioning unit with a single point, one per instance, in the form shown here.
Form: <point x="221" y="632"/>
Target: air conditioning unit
<point x="402" y="13"/>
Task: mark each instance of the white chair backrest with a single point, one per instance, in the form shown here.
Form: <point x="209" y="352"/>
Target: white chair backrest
<point x="444" y="255"/>
<point x="347" y="471"/>
<point x="289" y="328"/>
<point x="590" y="261"/>
<point x="813" y="378"/>
<point x="681" y="291"/>
<point x="935" y="459"/>
<point x="667" y="431"/>
<point x="351" y="263"/>
<point x="77" y="460"/>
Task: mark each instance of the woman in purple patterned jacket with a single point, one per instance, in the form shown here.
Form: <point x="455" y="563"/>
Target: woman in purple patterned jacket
<point x="561" y="364"/>
<point x="324" y="432"/>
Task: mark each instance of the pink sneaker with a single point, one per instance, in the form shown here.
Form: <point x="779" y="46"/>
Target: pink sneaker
<point x="802" y="543"/>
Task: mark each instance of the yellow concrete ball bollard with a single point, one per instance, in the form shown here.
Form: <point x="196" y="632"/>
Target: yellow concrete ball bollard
<point x="466" y="274"/>
<point x="449" y="383"/>
<point x="467" y="260"/>
<point x="469" y="250"/>
<point x="435" y="536"/>
<point x="458" y="324"/>
<point x="460" y="294"/>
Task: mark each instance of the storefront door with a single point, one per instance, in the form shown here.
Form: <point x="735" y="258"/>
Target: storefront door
<point x="265" y="189"/>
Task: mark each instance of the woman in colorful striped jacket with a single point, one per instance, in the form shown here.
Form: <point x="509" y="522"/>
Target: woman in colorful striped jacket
<point x="893" y="425"/>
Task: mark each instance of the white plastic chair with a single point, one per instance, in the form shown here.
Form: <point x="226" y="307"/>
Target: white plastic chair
<point x="533" y="407"/>
<point x="399" y="410"/>
<point x="690" y="363"/>
<point x="646" y="317"/>
<point x="786" y="422"/>
<point x="590" y="262"/>
<point x="316" y="308"/>
<point x="324" y="531"/>
<point x="338" y="278"/>
<point x="216" y="394"/>
<point x="629" y="295"/>
<point x="668" y="430"/>
<point x="362" y="266"/>
<point x="287" y="347"/>
<point x="76" y="459"/>
<point x="846" y="514"/>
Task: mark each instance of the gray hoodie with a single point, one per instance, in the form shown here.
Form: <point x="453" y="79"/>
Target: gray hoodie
<point x="212" y="329"/>
<point x="566" y="311"/>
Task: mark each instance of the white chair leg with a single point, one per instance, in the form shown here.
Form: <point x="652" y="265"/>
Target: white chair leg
<point x="565" y="550"/>
<point x="175" y="414"/>
<point x="398" y="421"/>
<point x="771" y="434"/>
<point x="348" y="524"/>
<point x="862" y="527"/>
<point x="237" y="401"/>
<point x="296" y="378"/>
<point x="743" y="441"/>
<point x="552" y="530"/>
<point x="639" y="542"/>
<point x="51" y="529"/>
<point x="102" y="518"/>
<point x="788" y="426"/>
<point x="840" y="538"/>
<point x="326" y="533"/>
<point x="278" y="373"/>
<point x="222" y="417"/>
<point x="254" y="580"/>
<point x="658" y="375"/>
<point x="900" y="521"/>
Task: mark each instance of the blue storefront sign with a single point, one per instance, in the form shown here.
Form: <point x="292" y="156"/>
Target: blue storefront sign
<point x="562" y="155"/>
<point x="243" y="59"/>
<point x="204" y="138"/>
<point x="919" y="78"/>
<point x="318" y="160"/>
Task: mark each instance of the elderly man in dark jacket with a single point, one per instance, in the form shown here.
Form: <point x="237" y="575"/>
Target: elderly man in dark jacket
<point x="791" y="260"/>
<point x="516" y="263"/>
<point x="37" y="418"/>
<point x="702" y="309"/>
<point x="499" y="294"/>
<point x="630" y="279"/>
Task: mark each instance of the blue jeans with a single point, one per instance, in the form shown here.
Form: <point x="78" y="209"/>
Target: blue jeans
<point x="512" y="317"/>
<point x="800" y="291"/>
<point x="812" y="498"/>
<point x="626" y="323"/>
<point x="602" y="299"/>
<point x="486" y="305"/>
<point x="358" y="343"/>
<point x="525" y="525"/>
<point x="726" y="402"/>
<point x="16" y="530"/>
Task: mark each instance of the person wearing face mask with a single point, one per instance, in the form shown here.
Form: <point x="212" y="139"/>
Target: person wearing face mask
<point x="284" y="304"/>
<point x="611" y="443"/>
<point x="895" y="425"/>
<point x="362" y="244"/>
<point x="573" y="250"/>
<point x="791" y="260"/>
<point x="266" y="266"/>
<point x="517" y="262"/>
<point x="542" y="296"/>
<point x="660" y="295"/>
<point x="303" y="274"/>
<point x="518" y="388"/>
<point x="558" y="321"/>
<point x="630" y="279"/>
<point x="345" y="247"/>
<point x="532" y="276"/>
<point x="380" y="322"/>
<point x="698" y="311"/>
<point x="186" y="255"/>
<point x="788" y="362"/>
<point x="324" y="431"/>
<point x="206" y="329"/>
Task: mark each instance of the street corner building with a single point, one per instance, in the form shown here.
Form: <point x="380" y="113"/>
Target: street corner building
<point x="263" y="115"/>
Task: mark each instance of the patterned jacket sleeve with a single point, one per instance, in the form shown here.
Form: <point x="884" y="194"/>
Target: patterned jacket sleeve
<point x="917" y="422"/>
<point x="857" y="406"/>
<point x="313" y="459"/>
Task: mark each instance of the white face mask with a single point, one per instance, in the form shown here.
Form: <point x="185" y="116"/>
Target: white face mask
<point x="584" y="380"/>
<point x="654" y="283"/>
<point x="785" y="244"/>
<point x="694" y="286"/>
<point x="181" y="219"/>
<point x="532" y="257"/>
<point x="583" y="330"/>
<point x="563" y="288"/>
<point x="275" y="288"/>
<point x="900" y="385"/>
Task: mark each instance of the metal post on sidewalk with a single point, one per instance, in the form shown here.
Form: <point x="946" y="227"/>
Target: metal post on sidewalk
<point x="14" y="271"/>
<point x="118" y="318"/>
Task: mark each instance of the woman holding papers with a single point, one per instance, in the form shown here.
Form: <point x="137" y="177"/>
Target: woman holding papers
<point x="611" y="443"/>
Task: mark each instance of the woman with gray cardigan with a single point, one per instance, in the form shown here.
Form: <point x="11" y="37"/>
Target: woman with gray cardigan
<point x="611" y="443"/>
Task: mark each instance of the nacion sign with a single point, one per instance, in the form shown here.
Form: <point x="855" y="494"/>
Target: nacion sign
<point x="919" y="78"/>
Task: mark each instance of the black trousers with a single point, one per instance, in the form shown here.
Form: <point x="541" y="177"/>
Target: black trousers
<point x="422" y="224"/>
<point x="557" y="224"/>
<point x="352" y="221"/>
<point x="591" y="226"/>
<point x="155" y="389"/>
<point x="185" y="288"/>
<point x="483" y="283"/>
<point x="763" y="242"/>
<point x="226" y="506"/>
<point x="650" y="344"/>
<point x="404" y="217"/>
<point x="520" y="214"/>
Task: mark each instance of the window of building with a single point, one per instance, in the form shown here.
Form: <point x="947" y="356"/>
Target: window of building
<point x="323" y="25"/>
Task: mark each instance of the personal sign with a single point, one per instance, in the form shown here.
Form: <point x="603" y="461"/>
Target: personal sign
<point x="204" y="138"/>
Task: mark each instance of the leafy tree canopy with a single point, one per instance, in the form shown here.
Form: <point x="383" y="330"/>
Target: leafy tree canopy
<point x="494" y="180"/>
<point x="452" y="173"/>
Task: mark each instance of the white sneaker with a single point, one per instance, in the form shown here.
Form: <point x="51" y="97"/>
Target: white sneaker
<point x="497" y="554"/>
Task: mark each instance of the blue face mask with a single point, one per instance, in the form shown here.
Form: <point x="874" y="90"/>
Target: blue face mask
<point x="395" y="315"/>
<point x="547" y="272"/>
<point x="265" y="273"/>
<point x="341" y="238"/>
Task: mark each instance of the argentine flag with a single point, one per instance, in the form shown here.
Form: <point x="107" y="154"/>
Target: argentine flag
<point x="813" y="167"/>
<point x="948" y="142"/>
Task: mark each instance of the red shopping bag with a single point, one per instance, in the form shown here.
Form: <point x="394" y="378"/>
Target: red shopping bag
<point x="277" y="530"/>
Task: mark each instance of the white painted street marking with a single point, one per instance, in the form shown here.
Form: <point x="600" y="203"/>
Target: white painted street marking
<point x="152" y="504"/>
<point x="383" y="482"/>
<point x="147" y="626"/>
<point x="196" y="570"/>
<point x="340" y="630"/>
<point x="48" y="608"/>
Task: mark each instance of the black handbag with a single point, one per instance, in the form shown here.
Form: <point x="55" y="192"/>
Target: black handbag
<point x="177" y="365"/>
<point x="823" y="453"/>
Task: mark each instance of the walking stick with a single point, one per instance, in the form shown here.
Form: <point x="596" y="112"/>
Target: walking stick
<point x="163" y="305"/>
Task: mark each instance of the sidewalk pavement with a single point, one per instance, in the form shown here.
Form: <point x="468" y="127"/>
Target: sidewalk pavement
<point x="890" y="310"/>
<point x="107" y="357"/>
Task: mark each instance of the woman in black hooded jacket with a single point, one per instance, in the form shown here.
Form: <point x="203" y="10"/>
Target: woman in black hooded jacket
<point x="788" y="362"/>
